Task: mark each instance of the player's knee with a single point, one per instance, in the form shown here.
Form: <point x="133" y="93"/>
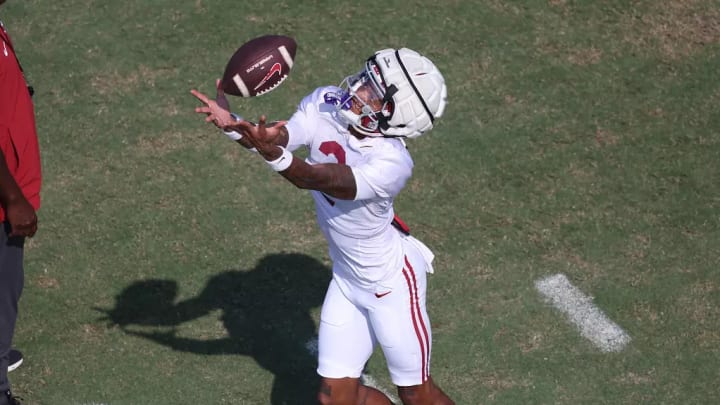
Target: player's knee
<point x="408" y="397"/>
<point x="337" y="393"/>
<point x="324" y="399"/>
<point x="426" y="393"/>
<point x="334" y="399"/>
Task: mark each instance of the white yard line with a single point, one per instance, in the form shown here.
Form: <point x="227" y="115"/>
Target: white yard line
<point x="580" y="310"/>
<point x="366" y="379"/>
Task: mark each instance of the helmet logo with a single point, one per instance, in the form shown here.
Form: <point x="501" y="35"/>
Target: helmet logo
<point x="387" y="62"/>
<point x="340" y="99"/>
<point x="378" y="74"/>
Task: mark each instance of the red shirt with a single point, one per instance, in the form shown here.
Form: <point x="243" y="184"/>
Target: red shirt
<point x="18" y="136"/>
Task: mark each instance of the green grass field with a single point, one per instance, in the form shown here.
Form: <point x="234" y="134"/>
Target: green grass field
<point x="171" y="267"/>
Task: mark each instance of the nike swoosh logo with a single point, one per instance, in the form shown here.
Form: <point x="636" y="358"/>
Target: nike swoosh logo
<point x="276" y="68"/>
<point x="380" y="295"/>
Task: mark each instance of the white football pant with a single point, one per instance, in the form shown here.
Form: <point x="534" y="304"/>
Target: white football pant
<point x="393" y="315"/>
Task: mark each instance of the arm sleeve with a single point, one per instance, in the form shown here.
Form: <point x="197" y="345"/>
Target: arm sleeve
<point x="381" y="177"/>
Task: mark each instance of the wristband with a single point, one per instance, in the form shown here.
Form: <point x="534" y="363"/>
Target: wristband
<point x="234" y="135"/>
<point x="283" y="162"/>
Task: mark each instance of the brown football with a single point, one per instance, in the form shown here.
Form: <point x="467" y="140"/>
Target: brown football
<point x="259" y="66"/>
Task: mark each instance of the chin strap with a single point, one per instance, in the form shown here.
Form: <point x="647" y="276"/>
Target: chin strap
<point x="383" y="120"/>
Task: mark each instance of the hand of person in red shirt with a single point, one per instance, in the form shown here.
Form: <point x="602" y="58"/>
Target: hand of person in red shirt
<point x="19" y="213"/>
<point x="22" y="218"/>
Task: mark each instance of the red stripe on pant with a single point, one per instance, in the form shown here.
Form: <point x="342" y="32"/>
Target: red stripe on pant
<point x="417" y="318"/>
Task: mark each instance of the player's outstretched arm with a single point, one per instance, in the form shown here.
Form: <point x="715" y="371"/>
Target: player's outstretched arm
<point x="218" y="112"/>
<point x="333" y="179"/>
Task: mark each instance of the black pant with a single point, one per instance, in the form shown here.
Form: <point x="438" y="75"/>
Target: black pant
<point x="11" y="285"/>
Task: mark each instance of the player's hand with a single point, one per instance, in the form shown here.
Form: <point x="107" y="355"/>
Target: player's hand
<point x="22" y="218"/>
<point x="217" y="110"/>
<point x="263" y="137"/>
<point x="220" y="97"/>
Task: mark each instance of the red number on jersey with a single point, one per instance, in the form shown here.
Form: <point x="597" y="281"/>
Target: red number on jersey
<point x="335" y="149"/>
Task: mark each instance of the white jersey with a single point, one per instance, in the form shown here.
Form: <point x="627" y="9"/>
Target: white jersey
<point x="365" y="248"/>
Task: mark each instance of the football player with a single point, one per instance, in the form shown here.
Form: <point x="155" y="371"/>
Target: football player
<point x="357" y="164"/>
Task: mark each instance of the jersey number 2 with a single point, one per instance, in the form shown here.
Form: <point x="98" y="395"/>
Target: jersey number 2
<point x="335" y="149"/>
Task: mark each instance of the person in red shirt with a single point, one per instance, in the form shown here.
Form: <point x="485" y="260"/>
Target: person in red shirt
<point x="20" y="180"/>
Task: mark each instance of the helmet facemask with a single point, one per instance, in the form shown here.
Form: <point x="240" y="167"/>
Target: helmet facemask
<point x="364" y="103"/>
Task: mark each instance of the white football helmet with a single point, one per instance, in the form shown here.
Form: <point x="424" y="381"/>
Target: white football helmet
<point x="399" y="93"/>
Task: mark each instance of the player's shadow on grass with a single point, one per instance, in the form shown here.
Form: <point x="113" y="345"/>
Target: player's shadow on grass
<point x="266" y="312"/>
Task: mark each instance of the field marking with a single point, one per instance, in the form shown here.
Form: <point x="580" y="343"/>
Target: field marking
<point x="580" y="310"/>
<point x="366" y="379"/>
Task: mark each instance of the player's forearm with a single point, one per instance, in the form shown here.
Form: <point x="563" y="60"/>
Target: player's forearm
<point x="236" y="136"/>
<point x="245" y="143"/>
<point x="335" y="180"/>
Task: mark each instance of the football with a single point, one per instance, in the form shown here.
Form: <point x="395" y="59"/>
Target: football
<point x="259" y="66"/>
